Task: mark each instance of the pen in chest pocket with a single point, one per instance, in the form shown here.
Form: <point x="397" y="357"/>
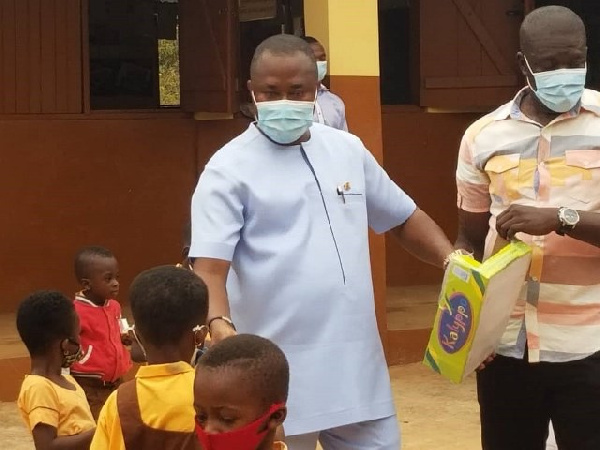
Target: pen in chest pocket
<point x="342" y="189"/>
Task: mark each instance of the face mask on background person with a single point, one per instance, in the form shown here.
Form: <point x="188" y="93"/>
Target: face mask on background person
<point x="321" y="69"/>
<point x="284" y="121"/>
<point x="71" y="357"/>
<point x="559" y="90"/>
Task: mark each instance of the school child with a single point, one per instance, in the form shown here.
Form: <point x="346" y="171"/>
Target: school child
<point x="156" y="410"/>
<point x="106" y="359"/>
<point x="53" y="405"/>
<point x="240" y="394"/>
<point x="186" y="263"/>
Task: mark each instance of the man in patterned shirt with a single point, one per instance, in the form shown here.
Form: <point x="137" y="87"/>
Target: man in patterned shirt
<point x="531" y="170"/>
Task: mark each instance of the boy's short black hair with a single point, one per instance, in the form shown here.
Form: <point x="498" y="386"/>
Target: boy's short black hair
<point x="262" y="362"/>
<point x="85" y="255"/>
<point x="44" y="317"/>
<point x="166" y="302"/>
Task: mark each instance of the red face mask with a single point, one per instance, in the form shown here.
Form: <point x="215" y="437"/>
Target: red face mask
<point x="246" y="438"/>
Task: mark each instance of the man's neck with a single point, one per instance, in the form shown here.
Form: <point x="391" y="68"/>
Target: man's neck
<point x="304" y="138"/>
<point x="533" y="109"/>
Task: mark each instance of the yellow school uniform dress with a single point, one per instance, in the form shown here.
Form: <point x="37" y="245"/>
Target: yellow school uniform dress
<point x="165" y="394"/>
<point x="42" y="401"/>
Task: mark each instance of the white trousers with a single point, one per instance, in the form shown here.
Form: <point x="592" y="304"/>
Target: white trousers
<point x="381" y="434"/>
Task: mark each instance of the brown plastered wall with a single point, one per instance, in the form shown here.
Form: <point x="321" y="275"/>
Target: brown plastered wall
<point x="420" y="152"/>
<point x="363" y="113"/>
<point x="121" y="183"/>
<point x="213" y="134"/>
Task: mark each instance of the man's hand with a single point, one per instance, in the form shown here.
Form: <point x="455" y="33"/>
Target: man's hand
<point x="126" y="339"/>
<point x="486" y="363"/>
<point x="219" y="330"/>
<point x="528" y="220"/>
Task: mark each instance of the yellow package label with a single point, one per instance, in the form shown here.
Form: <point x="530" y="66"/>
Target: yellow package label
<point x="474" y="308"/>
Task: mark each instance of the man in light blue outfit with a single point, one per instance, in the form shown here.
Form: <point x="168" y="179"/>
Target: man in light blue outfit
<point x="329" y="108"/>
<point x="287" y="206"/>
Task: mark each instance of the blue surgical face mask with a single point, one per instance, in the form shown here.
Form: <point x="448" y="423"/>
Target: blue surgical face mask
<point x="559" y="90"/>
<point x="321" y="69"/>
<point x="284" y="121"/>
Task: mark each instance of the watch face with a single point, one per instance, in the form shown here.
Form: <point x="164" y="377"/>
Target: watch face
<point x="570" y="216"/>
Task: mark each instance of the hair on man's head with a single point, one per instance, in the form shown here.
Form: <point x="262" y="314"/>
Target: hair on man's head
<point x="551" y="19"/>
<point x="262" y="363"/>
<point x="282" y="45"/>
<point x="44" y="317"/>
<point x="167" y="302"/>
<point x="310" y="40"/>
<point x="84" y="257"/>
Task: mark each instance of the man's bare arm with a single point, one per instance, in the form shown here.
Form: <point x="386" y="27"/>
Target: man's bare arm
<point x="424" y="239"/>
<point x="214" y="273"/>
<point x="472" y="231"/>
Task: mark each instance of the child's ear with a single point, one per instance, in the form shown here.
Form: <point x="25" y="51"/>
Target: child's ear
<point x="64" y="346"/>
<point x="185" y="251"/>
<point x="85" y="284"/>
<point x="277" y="418"/>
<point x="200" y="335"/>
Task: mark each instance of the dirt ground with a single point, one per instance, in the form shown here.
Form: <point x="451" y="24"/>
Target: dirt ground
<point x="434" y="414"/>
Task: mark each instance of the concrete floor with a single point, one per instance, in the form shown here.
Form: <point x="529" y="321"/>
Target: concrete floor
<point x="412" y="307"/>
<point x="434" y="414"/>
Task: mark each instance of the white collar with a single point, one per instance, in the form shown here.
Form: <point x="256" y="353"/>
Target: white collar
<point x="80" y="298"/>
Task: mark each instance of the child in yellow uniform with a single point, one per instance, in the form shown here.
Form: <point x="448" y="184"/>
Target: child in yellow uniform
<point x="186" y="263"/>
<point x="53" y="405"/>
<point x="240" y="393"/>
<point x="155" y="411"/>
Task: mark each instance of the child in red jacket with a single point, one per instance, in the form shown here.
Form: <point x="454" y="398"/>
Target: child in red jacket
<point x="106" y="359"/>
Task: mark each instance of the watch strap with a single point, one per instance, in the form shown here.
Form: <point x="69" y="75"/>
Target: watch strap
<point x="223" y="318"/>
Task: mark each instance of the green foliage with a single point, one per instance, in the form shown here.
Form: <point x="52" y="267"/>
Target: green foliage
<point x="168" y="69"/>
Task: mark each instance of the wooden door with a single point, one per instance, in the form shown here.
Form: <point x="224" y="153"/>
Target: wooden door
<point x="467" y="52"/>
<point x="208" y="49"/>
<point x="40" y="56"/>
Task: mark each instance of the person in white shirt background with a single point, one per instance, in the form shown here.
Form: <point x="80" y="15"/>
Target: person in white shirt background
<point x="329" y="108"/>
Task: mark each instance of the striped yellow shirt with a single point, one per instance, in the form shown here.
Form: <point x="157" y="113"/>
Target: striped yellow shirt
<point x="507" y="158"/>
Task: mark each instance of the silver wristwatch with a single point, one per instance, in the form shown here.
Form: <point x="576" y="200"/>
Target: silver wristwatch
<point x="568" y="219"/>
